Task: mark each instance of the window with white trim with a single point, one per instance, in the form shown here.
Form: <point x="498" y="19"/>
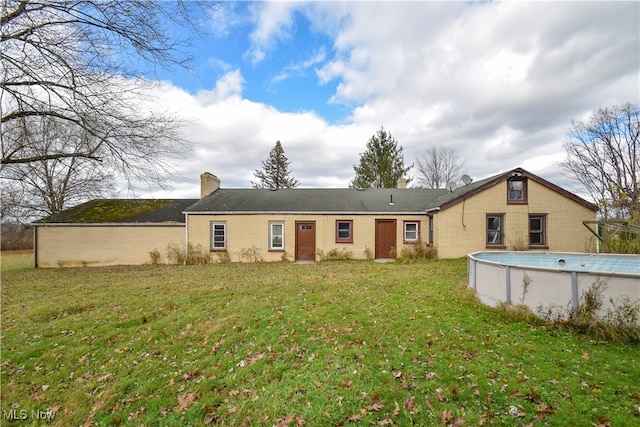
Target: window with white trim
<point x="495" y="230"/>
<point x="537" y="230"/>
<point x="276" y="236"/>
<point x="411" y="231"/>
<point x="218" y="236"/>
<point x="517" y="191"/>
<point x="344" y="231"/>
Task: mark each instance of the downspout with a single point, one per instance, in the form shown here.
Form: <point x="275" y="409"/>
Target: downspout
<point x="35" y="247"/>
<point x="186" y="234"/>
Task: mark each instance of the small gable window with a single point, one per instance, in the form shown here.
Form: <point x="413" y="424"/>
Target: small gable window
<point x="495" y="230"/>
<point x="218" y="236"/>
<point x="537" y="230"/>
<point x="517" y="191"/>
<point x="344" y="231"/>
<point x="411" y="231"/>
<point x="276" y="236"/>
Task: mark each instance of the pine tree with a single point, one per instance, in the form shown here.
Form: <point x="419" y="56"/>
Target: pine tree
<point x="381" y="165"/>
<point x="275" y="171"/>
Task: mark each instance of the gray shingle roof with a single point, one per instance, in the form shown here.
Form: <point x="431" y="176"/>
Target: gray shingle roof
<point x="294" y="200"/>
<point x="320" y="200"/>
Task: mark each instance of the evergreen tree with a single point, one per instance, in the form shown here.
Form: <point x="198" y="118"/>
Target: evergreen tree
<point x="381" y="165"/>
<point x="275" y="171"/>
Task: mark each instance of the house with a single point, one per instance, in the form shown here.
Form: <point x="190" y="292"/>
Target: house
<point x="515" y="210"/>
<point x="109" y="232"/>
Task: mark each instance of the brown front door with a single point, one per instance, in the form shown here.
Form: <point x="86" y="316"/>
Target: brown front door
<point x="305" y="241"/>
<point x="385" y="238"/>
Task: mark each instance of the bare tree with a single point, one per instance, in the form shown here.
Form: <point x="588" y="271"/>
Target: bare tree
<point x="603" y="154"/>
<point x="47" y="186"/>
<point x="77" y="62"/>
<point x="438" y="166"/>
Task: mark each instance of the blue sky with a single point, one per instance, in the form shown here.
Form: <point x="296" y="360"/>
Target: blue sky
<point x="285" y="78"/>
<point x="498" y="81"/>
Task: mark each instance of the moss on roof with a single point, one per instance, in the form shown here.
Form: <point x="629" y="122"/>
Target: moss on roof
<point x="102" y="211"/>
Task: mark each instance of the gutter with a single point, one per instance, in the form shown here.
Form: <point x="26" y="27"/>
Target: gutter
<point x="304" y="213"/>
<point x="109" y="224"/>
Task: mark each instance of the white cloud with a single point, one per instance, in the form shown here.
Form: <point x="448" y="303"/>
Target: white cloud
<point x="228" y="86"/>
<point x="298" y="68"/>
<point x="500" y="82"/>
<point x="273" y="23"/>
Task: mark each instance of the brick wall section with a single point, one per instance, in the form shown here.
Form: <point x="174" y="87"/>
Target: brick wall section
<point x="458" y="233"/>
<point x="247" y="231"/>
<point x="74" y="246"/>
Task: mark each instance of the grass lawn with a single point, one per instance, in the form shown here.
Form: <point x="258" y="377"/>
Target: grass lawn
<point x="332" y="343"/>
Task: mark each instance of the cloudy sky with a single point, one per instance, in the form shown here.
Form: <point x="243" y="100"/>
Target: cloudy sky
<point x="498" y="81"/>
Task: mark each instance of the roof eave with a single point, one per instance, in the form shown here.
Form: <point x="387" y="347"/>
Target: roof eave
<point x="109" y="224"/>
<point x="421" y="212"/>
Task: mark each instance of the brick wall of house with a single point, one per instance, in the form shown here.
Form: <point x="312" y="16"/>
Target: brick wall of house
<point x="245" y="232"/>
<point x="74" y="246"/>
<point x="461" y="229"/>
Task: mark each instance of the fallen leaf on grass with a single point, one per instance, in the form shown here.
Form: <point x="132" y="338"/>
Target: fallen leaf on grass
<point x="396" y="411"/>
<point x="217" y="346"/>
<point x="346" y="384"/>
<point x="105" y="378"/>
<point x="185" y="401"/>
<point x="375" y="406"/>
<point x="410" y="406"/>
<point x="136" y="414"/>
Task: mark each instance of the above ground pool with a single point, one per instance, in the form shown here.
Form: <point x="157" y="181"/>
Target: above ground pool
<point x="541" y="280"/>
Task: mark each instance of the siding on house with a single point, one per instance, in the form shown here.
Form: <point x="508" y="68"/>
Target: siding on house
<point x="461" y="228"/>
<point x="125" y="231"/>
<point x="103" y="245"/>
<point x="251" y="232"/>
<point x="106" y="232"/>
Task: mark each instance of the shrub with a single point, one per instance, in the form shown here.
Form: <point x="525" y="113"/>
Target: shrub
<point x="617" y="324"/>
<point x="223" y="257"/>
<point x="368" y="253"/>
<point x="251" y="254"/>
<point x="196" y="254"/>
<point x="155" y="256"/>
<point x="418" y="250"/>
<point x="335" y="254"/>
<point x="285" y="257"/>
<point x="520" y="243"/>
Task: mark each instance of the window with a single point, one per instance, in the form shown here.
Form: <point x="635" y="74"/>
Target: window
<point x="537" y="233"/>
<point x="218" y="236"/>
<point x="344" y="231"/>
<point x="411" y="231"/>
<point x="495" y="229"/>
<point x="276" y="236"/>
<point x="517" y="191"/>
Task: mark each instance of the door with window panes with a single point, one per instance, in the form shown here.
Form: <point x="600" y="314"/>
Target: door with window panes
<point x="305" y="241"/>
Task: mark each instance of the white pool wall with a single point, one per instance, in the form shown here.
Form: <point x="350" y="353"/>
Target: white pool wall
<point x="498" y="282"/>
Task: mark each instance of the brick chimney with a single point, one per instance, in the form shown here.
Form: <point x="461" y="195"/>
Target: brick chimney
<point x="208" y="184"/>
<point x="402" y="183"/>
